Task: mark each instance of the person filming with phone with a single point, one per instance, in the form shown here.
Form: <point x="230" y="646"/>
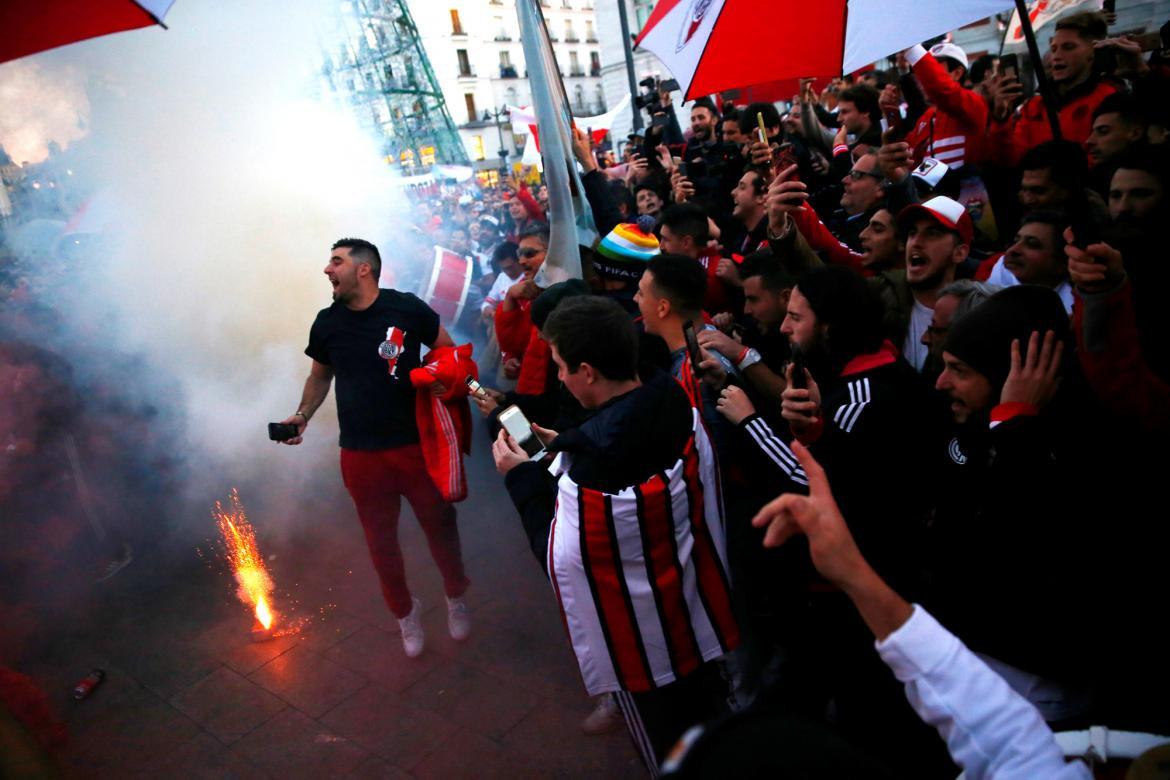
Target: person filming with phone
<point x="628" y="525"/>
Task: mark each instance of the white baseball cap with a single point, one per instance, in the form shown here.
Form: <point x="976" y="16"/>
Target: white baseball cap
<point x="948" y="49"/>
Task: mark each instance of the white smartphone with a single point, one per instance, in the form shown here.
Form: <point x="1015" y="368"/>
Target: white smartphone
<point x="518" y="427"/>
<point x="475" y="387"/>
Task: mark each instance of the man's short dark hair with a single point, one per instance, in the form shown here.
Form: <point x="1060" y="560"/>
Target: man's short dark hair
<point x="747" y="117"/>
<point x="1089" y="25"/>
<point x="850" y="307"/>
<point x="865" y="98"/>
<point x="731" y="114"/>
<point x="594" y="330"/>
<point x="775" y="275"/>
<point x="362" y="251"/>
<point x="536" y="230"/>
<point x="759" y="184"/>
<point x="648" y="185"/>
<point x="1064" y="159"/>
<point x="680" y="280"/>
<point x="707" y="103"/>
<point x="686" y="219"/>
<point x="1154" y="160"/>
<point x="1124" y="105"/>
<point x="1057" y="220"/>
<point x="505" y="250"/>
<point x="981" y="67"/>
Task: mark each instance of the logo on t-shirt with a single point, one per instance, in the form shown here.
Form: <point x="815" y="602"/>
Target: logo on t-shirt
<point x="391" y="348"/>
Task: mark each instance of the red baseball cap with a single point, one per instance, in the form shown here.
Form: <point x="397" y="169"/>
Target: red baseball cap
<point x="947" y="212"/>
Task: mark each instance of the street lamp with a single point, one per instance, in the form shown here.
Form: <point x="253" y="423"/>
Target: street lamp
<point x="503" y="152"/>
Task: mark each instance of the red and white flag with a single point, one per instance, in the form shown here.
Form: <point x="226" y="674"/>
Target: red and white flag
<point x="1041" y="12"/>
<point x="714" y="45"/>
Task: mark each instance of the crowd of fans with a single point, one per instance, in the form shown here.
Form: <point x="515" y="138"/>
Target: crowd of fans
<point x="908" y="290"/>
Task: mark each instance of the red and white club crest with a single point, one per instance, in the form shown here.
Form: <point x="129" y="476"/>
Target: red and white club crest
<point x="691" y="22"/>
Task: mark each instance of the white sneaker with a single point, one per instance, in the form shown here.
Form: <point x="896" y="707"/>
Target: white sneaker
<point x="458" y="618"/>
<point x="605" y="716"/>
<point x="412" y="631"/>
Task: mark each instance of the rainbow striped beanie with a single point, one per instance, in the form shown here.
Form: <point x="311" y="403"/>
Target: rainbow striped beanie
<point x="626" y="250"/>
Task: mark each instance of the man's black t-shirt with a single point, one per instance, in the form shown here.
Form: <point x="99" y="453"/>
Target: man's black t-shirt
<point x="375" y="410"/>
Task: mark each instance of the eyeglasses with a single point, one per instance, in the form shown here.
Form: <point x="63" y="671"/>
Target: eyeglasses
<point x="528" y="252"/>
<point x="857" y="175"/>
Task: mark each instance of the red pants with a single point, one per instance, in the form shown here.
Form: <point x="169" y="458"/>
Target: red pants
<point x="377" y="480"/>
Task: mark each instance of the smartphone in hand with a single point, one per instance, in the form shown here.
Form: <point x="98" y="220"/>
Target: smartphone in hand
<point x="696" y="357"/>
<point x="518" y="427"/>
<point x="282" y="431"/>
<point x="799" y="381"/>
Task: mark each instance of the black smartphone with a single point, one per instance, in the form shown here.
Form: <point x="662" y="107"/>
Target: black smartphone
<point x="697" y="169"/>
<point x="281" y="431"/>
<point x="799" y="381"/>
<point x="693" y="347"/>
<point x="1009" y="65"/>
<point x="1086" y="229"/>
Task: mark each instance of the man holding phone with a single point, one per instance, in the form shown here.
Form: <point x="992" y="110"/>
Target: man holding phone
<point x="629" y="529"/>
<point x="370" y="340"/>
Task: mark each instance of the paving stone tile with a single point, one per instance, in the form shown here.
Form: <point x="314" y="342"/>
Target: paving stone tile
<point x="308" y="681"/>
<point x="293" y="746"/>
<point x="230" y="641"/>
<point x="204" y="758"/>
<point x="465" y="754"/>
<point x="533" y="750"/>
<point x="130" y="735"/>
<point x="379" y="656"/>
<point x="227" y="705"/>
<point x="377" y="769"/>
<point x="472" y="698"/>
<point x="326" y="629"/>
<point x="161" y="663"/>
<point x="389" y="726"/>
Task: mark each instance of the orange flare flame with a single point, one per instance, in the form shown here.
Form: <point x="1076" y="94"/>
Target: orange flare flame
<point x="255" y="584"/>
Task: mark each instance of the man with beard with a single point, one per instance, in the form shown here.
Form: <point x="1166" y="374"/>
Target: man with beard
<point x="370" y="340"/>
<point x="938" y="238"/>
<point x="1015" y="494"/>
<point x="860" y="413"/>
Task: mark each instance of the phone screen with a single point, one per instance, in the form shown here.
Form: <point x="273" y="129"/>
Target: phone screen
<point x="518" y="427"/>
<point x="474" y="386"/>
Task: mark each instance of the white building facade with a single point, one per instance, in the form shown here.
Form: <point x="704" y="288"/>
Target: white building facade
<point x="475" y="51"/>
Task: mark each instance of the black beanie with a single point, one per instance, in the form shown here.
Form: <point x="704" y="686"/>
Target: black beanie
<point x="550" y="298"/>
<point x="983" y="338"/>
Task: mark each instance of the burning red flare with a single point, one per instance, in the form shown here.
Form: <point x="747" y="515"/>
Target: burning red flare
<point x="255" y="584"/>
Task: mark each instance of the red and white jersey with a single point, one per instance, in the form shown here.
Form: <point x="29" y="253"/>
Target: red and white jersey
<point x="641" y="575"/>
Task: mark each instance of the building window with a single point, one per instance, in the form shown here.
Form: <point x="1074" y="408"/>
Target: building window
<point x="469" y="99"/>
<point x="590" y="35"/>
<point x="578" y="98"/>
<point x="501" y="30"/>
<point x="464" y="62"/>
<point x="456" y="25"/>
<point x="570" y="35"/>
<point x="505" y="59"/>
<point x="510" y="96"/>
<point x="477" y="152"/>
<point x="594" y="64"/>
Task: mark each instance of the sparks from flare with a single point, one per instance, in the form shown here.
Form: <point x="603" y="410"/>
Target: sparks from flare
<point x="255" y="584"/>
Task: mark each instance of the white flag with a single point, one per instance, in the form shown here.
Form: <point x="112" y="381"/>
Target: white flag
<point x="1041" y="12"/>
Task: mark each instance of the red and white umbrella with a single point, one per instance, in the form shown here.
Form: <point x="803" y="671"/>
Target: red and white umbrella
<point x="714" y="45"/>
<point x="30" y="26"/>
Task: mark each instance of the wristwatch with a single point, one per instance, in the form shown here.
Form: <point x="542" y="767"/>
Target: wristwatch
<point x="750" y="359"/>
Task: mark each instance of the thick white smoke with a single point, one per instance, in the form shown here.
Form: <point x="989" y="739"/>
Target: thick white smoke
<point x="229" y="181"/>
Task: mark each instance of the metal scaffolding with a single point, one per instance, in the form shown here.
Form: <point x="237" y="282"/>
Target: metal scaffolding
<point x="382" y="70"/>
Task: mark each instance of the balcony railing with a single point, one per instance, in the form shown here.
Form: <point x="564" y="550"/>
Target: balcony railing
<point x="508" y="72"/>
<point x="577" y="73"/>
<point x="466" y="74"/>
<point x="595" y="71"/>
<point x="503" y="37"/>
<point x="572" y="39"/>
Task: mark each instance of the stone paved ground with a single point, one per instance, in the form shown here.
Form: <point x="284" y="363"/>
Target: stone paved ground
<point x="188" y="695"/>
